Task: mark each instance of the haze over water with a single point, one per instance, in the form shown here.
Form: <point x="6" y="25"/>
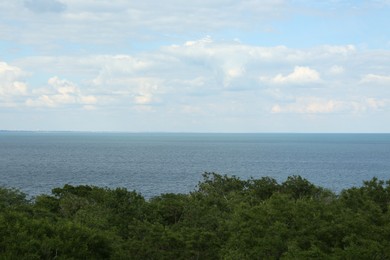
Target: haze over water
<point x="151" y="164"/>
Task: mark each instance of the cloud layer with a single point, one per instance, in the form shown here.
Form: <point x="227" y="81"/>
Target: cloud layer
<point x="201" y="66"/>
<point x="12" y="86"/>
<point x="199" y="69"/>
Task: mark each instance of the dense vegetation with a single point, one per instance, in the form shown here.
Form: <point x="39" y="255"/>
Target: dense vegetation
<point x="224" y="218"/>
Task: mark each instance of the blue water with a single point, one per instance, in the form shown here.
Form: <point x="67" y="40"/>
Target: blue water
<point x="151" y="164"/>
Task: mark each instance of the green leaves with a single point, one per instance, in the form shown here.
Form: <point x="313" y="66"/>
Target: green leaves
<point x="12" y="198"/>
<point x="225" y="217"/>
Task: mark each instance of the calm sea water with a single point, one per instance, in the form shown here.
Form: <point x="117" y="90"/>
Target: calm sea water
<point x="36" y="162"/>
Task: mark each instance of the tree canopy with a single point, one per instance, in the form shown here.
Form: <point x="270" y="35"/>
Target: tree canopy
<point x="224" y="217"/>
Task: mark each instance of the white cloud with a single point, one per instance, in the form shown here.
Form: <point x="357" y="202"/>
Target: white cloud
<point x="206" y="70"/>
<point x="316" y="105"/>
<point x="145" y="91"/>
<point x="221" y="64"/>
<point x="340" y="50"/>
<point x="336" y="70"/>
<point x="375" y="79"/>
<point x="61" y="92"/>
<point x="114" y="69"/>
<point x="123" y="57"/>
<point x="377" y="104"/>
<point x="300" y="75"/>
<point x="89" y="100"/>
<point x="201" y="43"/>
<point x="112" y="22"/>
<point x="12" y="86"/>
<point x="308" y="105"/>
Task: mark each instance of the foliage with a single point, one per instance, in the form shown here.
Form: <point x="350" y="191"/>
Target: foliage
<point x="225" y="217"/>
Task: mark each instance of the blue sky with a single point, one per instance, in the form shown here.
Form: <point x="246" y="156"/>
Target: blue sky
<point x="206" y="66"/>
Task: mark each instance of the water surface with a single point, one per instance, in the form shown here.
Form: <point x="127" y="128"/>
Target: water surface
<point x="36" y="162"/>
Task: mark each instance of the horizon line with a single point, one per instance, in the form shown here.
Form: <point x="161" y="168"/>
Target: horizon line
<point x="179" y="132"/>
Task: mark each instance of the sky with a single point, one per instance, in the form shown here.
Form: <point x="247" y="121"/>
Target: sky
<point x="195" y="66"/>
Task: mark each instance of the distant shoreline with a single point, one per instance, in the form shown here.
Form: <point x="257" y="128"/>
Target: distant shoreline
<point x="200" y="133"/>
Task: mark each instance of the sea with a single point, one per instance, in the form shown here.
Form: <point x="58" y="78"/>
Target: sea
<point x="157" y="163"/>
